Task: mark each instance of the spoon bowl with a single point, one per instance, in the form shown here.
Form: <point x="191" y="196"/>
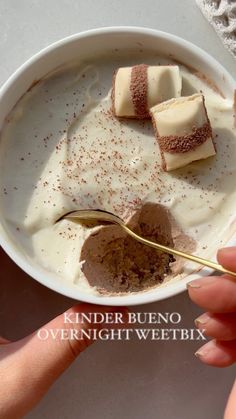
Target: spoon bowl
<point x="86" y="216"/>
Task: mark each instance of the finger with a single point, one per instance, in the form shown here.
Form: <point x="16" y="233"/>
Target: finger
<point x="3" y="340"/>
<point x="219" y="326"/>
<point x="218" y="353"/>
<point x="231" y="405"/>
<point x="33" y="364"/>
<point x="214" y="293"/>
<point x="227" y="258"/>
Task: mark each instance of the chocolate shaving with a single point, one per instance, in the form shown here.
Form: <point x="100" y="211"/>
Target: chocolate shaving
<point x="185" y="143"/>
<point x="139" y="89"/>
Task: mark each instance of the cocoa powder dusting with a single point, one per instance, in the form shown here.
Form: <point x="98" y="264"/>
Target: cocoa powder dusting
<point x="187" y="142"/>
<point x="139" y="89"/>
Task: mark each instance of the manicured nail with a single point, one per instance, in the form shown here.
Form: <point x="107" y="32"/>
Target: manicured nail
<point x="202" y="320"/>
<point x="193" y="284"/>
<point x="198" y="283"/>
<point x="204" y="350"/>
<point x="199" y="354"/>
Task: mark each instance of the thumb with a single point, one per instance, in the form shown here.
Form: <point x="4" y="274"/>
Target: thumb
<point x="227" y="258"/>
<point x="34" y="364"/>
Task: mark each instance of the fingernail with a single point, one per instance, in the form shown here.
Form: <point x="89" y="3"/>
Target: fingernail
<point x="199" y="354"/>
<point x="201" y="320"/>
<point x="198" y="283"/>
<point x="204" y="350"/>
<point x="193" y="284"/>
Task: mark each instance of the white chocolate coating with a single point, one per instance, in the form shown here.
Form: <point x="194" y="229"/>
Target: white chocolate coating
<point x="122" y="98"/>
<point x="179" y="116"/>
<point x="164" y="82"/>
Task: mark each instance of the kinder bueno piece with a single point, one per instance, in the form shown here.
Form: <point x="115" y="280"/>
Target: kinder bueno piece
<point x="183" y="131"/>
<point x="136" y="89"/>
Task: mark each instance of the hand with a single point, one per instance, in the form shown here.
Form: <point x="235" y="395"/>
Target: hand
<point x="217" y="295"/>
<point x="30" y="366"/>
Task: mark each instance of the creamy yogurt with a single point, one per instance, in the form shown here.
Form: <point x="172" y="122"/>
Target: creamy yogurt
<point x="62" y="149"/>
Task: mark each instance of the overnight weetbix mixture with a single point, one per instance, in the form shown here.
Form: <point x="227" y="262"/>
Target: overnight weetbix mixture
<point x="127" y="137"/>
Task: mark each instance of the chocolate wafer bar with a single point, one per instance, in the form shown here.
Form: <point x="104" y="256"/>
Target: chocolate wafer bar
<point x="183" y="131"/>
<point x="136" y="89"/>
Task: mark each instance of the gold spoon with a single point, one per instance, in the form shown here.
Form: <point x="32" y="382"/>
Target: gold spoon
<point x="101" y="215"/>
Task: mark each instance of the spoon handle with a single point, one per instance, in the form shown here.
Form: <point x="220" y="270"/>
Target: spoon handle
<point x="171" y="251"/>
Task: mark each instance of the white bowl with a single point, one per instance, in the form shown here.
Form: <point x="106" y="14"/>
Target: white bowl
<point x="87" y="44"/>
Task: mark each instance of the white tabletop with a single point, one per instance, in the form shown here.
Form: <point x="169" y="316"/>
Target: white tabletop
<point x="133" y="379"/>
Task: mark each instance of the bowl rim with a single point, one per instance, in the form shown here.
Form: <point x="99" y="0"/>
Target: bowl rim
<point x="68" y="290"/>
